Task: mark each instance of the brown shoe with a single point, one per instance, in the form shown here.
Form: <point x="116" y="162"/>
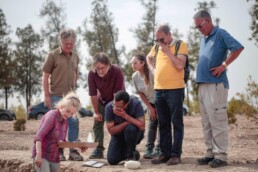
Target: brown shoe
<point x="159" y="160"/>
<point x="174" y="161"/>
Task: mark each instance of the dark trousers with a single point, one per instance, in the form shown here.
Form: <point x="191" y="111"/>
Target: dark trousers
<point x="123" y="146"/>
<point x="98" y="127"/>
<point x="169" y="105"/>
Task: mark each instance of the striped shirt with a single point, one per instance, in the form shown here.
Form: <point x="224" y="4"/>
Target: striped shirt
<point x="52" y="129"/>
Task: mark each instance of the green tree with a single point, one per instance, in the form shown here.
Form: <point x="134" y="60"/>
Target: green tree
<point x="254" y="24"/>
<point x="250" y="99"/>
<point x="144" y="33"/>
<point x="28" y="55"/>
<point x="55" y="21"/>
<point x="193" y="41"/>
<point x="7" y="64"/>
<point x="103" y="35"/>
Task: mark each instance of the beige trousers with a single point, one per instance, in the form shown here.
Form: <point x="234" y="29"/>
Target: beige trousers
<point x="213" y="109"/>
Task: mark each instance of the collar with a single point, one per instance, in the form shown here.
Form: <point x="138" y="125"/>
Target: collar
<point x="174" y="40"/>
<point x="60" y="51"/>
<point x="214" y="30"/>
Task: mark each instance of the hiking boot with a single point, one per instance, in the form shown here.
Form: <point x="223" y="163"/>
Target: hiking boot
<point x="74" y="155"/>
<point x="159" y="160"/>
<point x="61" y="155"/>
<point x="148" y="153"/>
<point x="174" y="161"/>
<point x="215" y="163"/>
<point x="204" y="160"/>
<point x="156" y="152"/>
<point x="97" y="154"/>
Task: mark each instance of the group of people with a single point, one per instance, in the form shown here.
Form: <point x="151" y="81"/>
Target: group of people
<point x="159" y="81"/>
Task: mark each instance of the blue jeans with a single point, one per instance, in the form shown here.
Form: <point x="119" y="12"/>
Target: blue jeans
<point x="73" y="123"/>
<point x="123" y="146"/>
<point x="169" y="105"/>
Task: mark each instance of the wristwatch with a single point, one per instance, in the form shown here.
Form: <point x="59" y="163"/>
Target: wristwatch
<point x="225" y="64"/>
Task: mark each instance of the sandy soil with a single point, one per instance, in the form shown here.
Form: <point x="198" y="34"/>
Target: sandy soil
<point x="15" y="148"/>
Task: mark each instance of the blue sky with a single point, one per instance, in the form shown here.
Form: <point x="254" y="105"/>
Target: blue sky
<point x="233" y="14"/>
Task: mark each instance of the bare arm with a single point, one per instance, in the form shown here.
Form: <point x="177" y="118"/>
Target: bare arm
<point x="45" y="83"/>
<point x="97" y="115"/>
<point x="115" y="129"/>
<point x="153" y="114"/>
<point x="38" y="159"/>
<point x="150" y="62"/>
<point x="140" y="123"/>
<point x="177" y="61"/>
<point x="216" y="71"/>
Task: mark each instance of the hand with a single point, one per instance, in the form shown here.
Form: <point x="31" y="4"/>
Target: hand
<point x="153" y="114"/>
<point x="164" y="48"/>
<point x="38" y="160"/>
<point x="98" y="117"/>
<point x="119" y="112"/>
<point x="47" y="102"/>
<point x="83" y="149"/>
<point x="216" y="71"/>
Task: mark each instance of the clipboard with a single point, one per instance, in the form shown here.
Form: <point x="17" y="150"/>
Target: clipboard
<point x="93" y="163"/>
<point x="77" y="144"/>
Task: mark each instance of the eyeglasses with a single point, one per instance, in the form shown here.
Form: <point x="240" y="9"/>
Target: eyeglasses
<point x="200" y="26"/>
<point x="161" y="40"/>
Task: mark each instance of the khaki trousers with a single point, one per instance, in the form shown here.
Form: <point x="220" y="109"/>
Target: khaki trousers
<point x="213" y="109"/>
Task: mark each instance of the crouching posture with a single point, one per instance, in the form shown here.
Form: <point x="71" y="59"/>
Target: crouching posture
<point x="53" y="128"/>
<point x="125" y="122"/>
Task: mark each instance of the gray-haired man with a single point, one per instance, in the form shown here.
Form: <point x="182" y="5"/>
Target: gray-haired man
<point x="60" y="73"/>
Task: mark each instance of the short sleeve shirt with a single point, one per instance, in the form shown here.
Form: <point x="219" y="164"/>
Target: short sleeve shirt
<point x="105" y="87"/>
<point x="140" y="86"/>
<point x="166" y="76"/>
<point x="134" y="109"/>
<point x="213" y="51"/>
<point x="62" y="70"/>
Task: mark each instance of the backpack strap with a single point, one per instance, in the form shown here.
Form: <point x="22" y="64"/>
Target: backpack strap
<point x="156" y="53"/>
<point x="177" y="46"/>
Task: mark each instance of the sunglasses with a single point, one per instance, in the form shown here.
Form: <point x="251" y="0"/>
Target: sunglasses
<point x="200" y="26"/>
<point x="161" y="40"/>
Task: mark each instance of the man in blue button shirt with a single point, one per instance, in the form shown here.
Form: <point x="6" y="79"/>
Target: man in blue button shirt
<point x="213" y="86"/>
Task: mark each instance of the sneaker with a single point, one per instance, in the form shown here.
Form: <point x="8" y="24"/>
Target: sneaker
<point x="61" y="155"/>
<point x="156" y="152"/>
<point x="215" y="163"/>
<point x="204" y="160"/>
<point x="74" y="155"/>
<point x="159" y="160"/>
<point x="148" y="154"/>
<point x="97" y="154"/>
<point x="174" y="161"/>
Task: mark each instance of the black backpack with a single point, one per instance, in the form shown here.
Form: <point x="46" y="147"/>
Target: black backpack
<point x="187" y="66"/>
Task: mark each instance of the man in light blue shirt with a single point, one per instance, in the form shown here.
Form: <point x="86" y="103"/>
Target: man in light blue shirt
<point x="218" y="49"/>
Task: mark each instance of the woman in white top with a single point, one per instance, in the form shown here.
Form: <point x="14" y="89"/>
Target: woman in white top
<point x="143" y="81"/>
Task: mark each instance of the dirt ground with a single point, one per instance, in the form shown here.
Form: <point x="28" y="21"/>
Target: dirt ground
<point x="15" y="148"/>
